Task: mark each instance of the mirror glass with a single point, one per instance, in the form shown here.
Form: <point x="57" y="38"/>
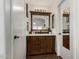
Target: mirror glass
<point x="65" y="23"/>
<point x="66" y="30"/>
<point x="40" y="22"/>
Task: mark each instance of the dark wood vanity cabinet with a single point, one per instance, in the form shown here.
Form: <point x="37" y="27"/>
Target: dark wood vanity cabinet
<point x="66" y="41"/>
<point x="40" y="45"/>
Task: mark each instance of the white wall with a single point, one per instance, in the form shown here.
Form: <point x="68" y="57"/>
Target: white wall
<point x="75" y="22"/>
<point x="8" y="28"/>
<point x="5" y="30"/>
<point x="45" y="4"/>
<point x="2" y="31"/>
<point x="76" y="30"/>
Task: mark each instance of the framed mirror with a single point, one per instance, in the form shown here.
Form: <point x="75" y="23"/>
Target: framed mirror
<point x="40" y="22"/>
<point x="66" y="29"/>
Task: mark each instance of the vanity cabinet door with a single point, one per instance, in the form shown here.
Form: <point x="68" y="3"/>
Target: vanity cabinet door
<point x="66" y="41"/>
<point x="43" y="44"/>
<point x="33" y="45"/>
<point x="50" y="44"/>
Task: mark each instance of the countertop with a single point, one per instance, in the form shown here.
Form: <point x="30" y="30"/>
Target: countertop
<point x="40" y="35"/>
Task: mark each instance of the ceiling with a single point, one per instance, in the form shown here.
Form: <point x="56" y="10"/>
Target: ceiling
<point x="43" y="3"/>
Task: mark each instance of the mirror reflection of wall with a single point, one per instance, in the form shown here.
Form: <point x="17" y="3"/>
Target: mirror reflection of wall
<point x="66" y="29"/>
<point x="40" y="22"/>
<point x="65" y="23"/>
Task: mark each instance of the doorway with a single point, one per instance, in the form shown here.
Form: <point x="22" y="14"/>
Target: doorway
<point x="20" y="27"/>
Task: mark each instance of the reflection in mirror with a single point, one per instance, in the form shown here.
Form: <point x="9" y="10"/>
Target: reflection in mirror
<point x="65" y="23"/>
<point x="40" y="22"/>
<point x="66" y="29"/>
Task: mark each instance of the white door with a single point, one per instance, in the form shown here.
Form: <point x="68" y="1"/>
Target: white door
<point x="65" y="24"/>
<point x="20" y="48"/>
<point x="18" y="17"/>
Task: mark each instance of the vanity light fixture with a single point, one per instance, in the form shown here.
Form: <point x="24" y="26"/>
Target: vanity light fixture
<point x="66" y="11"/>
<point x="40" y="10"/>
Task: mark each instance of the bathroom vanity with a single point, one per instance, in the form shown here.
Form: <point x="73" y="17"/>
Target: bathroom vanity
<point x="40" y="39"/>
<point x="40" y="44"/>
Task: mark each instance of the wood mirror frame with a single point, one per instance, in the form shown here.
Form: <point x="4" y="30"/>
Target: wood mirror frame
<point x="41" y="14"/>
